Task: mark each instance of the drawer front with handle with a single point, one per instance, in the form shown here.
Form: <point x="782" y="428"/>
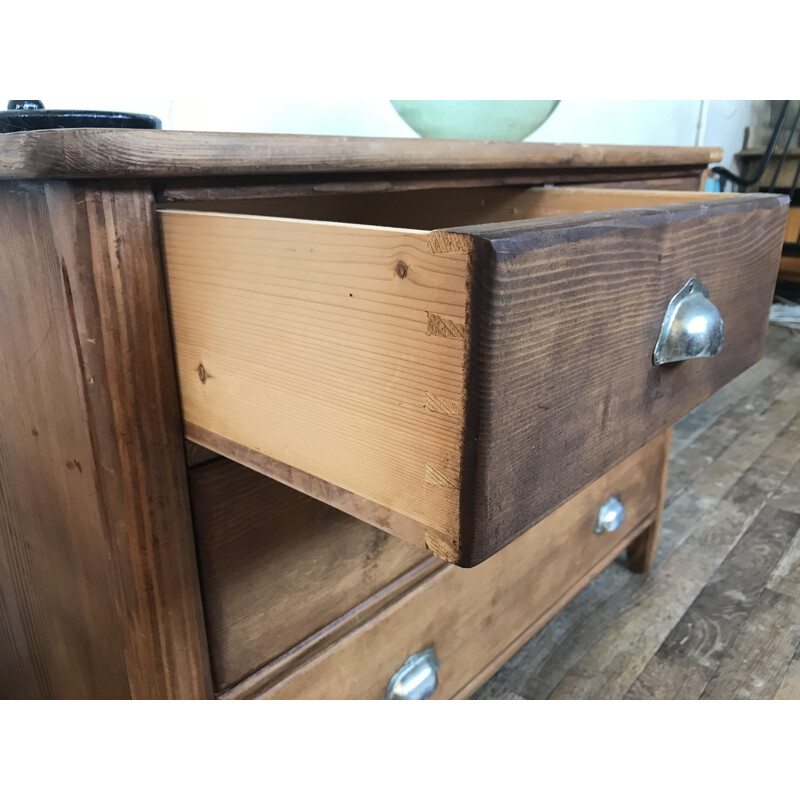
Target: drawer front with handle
<point x="454" y="387"/>
<point x="447" y="635"/>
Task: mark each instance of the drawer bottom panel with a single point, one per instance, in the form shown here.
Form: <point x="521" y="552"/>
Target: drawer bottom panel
<point x="475" y="619"/>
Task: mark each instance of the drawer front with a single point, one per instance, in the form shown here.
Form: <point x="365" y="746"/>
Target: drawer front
<point x="277" y="566"/>
<point x="474" y="619"/>
<point x="565" y="316"/>
<point x="454" y="387"/>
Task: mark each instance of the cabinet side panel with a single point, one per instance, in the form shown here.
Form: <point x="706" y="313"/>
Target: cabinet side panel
<point x="98" y="592"/>
<point x="55" y="584"/>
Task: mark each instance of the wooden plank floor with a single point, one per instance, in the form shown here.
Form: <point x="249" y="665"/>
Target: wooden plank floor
<point x="718" y="616"/>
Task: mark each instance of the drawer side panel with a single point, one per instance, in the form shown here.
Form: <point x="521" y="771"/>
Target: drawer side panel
<point x="337" y="350"/>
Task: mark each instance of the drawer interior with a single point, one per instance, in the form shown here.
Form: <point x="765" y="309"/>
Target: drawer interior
<point x="453" y="385"/>
<point x="278" y="568"/>
<point x="431" y="209"/>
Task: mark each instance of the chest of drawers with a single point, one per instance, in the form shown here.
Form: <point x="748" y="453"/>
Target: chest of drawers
<point x="385" y="355"/>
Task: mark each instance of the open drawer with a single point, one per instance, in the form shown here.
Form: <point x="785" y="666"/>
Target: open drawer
<point x="454" y="380"/>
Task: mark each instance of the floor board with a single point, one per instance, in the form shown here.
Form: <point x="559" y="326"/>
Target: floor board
<point x="718" y="615"/>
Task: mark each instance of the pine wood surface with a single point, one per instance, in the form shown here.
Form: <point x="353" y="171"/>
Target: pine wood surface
<point x="128" y="541"/>
<point x="99" y="595"/>
<point x="308" y="343"/>
<point x="446" y="208"/>
<point x="717" y="616"/>
<point x="678" y="178"/>
<point x="103" y="153"/>
<point x="475" y="618"/>
<point x="642" y="551"/>
<point x="277" y="566"/>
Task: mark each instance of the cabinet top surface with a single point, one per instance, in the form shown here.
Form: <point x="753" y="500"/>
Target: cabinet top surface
<point x="104" y="153"/>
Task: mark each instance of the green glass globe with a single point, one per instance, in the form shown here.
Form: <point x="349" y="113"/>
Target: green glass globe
<point x="508" y="120"/>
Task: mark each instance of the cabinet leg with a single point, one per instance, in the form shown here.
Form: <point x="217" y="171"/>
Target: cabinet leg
<point x="642" y="550"/>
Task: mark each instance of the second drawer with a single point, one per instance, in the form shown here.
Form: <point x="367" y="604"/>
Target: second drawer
<point x="475" y="619"/>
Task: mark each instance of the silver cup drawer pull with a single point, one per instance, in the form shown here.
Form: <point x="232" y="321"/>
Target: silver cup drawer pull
<point x="692" y="326"/>
<point x="611" y="515"/>
<point x="417" y="679"/>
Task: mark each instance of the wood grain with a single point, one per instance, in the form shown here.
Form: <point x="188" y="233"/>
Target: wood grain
<point x="445" y="208"/>
<point x="99" y="153"/>
<point x="309" y="342"/>
<point x="708" y="629"/>
<point x="677" y="178"/>
<point x="630" y="624"/>
<point x="642" y="551"/>
<point x="356" y="505"/>
<point x="289" y="662"/>
<point x="563" y="316"/>
<point x="786" y="577"/>
<point x="475" y="618"/>
<point x="761" y="654"/>
<point x="748" y="432"/>
<point x="99" y="587"/>
<point x="277" y="566"/>
<point x="304" y="342"/>
<point x="789" y="688"/>
<point x="621" y="652"/>
<point x="692" y="653"/>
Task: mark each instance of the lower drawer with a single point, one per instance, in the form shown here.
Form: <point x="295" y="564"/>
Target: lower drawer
<point x="475" y="619"/>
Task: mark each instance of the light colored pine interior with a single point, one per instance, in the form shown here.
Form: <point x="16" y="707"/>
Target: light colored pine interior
<point x="338" y="348"/>
<point x="303" y="341"/>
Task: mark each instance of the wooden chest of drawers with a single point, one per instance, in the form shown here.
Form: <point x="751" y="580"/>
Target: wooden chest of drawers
<point x="375" y="341"/>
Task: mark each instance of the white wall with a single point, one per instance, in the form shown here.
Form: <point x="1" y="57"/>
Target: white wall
<point x="726" y="122"/>
<point x="648" y="122"/>
<point x="720" y="123"/>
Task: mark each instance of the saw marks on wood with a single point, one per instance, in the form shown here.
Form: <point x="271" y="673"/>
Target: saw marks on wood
<point x="719" y="614"/>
